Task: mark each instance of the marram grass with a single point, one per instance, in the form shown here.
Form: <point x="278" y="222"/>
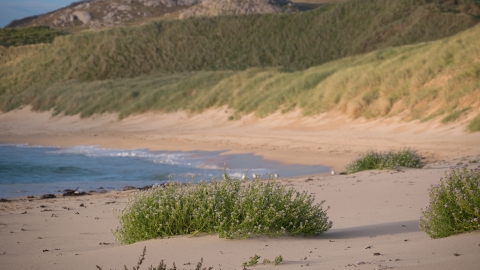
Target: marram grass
<point x="437" y="80"/>
<point x="230" y="208"/>
<point x="384" y="160"/>
<point x="474" y="125"/>
<point x="454" y="204"/>
<point x="293" y="41"/>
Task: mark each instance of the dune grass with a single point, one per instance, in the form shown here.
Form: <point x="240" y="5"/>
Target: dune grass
<point x="292" y="41"/>
<point x="374" y="160"/>
<point x="474" y="125"/>
<point x="423" y="81"/>
<point x="454" y="204"/>
<point x="230" y="208"/>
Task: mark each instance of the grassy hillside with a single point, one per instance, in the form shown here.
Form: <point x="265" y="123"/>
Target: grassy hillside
<point x="435" y="80"/>
<point x="292" y="41"/>
<point x="29" y="35"/>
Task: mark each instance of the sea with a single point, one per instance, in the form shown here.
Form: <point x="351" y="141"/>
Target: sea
<point x="28" y="170"/>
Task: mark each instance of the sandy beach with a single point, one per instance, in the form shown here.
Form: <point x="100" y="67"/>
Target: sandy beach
<point x="375" y="214"/>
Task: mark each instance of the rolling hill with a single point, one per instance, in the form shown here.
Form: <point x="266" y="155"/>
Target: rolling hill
<point x="370" y="58"/>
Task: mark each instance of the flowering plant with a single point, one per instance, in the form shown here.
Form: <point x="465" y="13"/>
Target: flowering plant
<point x="454" y="204"/>
<point x="232" y="208"/>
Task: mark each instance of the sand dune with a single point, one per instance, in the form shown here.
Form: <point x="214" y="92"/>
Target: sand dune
<point x="372" y="212"/>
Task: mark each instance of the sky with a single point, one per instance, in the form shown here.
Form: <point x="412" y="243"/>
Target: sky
<point x="18" y="9"/>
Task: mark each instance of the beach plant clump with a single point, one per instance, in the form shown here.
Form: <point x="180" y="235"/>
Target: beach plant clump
<point x="454" y="204"/>
<point x="374" y="160"/>
<point x="231" y="208"/>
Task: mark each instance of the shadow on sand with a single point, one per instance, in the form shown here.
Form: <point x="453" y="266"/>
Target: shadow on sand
<point x="374" y="230"/>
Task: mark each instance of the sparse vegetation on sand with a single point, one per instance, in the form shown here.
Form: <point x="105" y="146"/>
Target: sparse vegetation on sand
<point x="254" y="261"/>
<point x="230" y="208"/>
<point x="161" y="265"/>
<point x="474" y="125"/>
<point x="454" y="204"/>
<point x="374" y="160"/>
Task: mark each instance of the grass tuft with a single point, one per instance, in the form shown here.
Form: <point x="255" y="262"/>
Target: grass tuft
<point x="384" y="160"/>
<point x="230" y="207"/>
<point x="455" y="115"/>
<point x="474" y="125"/>
<point x="454" y="204"/>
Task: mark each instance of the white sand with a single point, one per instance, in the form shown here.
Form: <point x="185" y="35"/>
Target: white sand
<point x="380" y="209"/>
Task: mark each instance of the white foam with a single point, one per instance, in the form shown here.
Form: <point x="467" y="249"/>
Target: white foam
<point x="172" y="158"/>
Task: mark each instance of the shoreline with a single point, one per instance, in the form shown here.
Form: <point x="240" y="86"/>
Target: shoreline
<point x="372" y="211"/>
<point x="151" y="167"/>
<point x="330" y="140"/>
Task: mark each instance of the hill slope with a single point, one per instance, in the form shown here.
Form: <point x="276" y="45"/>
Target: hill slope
<point x="96" y="14"/>
<point x="294" y="41"/>
<point x="436" y="80"/>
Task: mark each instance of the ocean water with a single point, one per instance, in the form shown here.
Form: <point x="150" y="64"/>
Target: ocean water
<point x="27" y="170"/>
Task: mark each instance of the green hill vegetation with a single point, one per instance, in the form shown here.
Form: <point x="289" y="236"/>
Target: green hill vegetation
<point x="263" y="63"/>
<point x="29" y="35"/>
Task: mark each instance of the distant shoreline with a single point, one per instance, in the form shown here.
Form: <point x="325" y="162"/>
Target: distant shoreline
<point x="34" y="170"/>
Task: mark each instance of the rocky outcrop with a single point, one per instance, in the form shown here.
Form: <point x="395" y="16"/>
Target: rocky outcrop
<point x="234" y="7"/>
<point x="82" y="16"/>
<point x="169" y="3"/>
<point x="103" y="13"/>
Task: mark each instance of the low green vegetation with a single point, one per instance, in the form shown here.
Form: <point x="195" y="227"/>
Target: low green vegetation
<point x="454" y="204"/>
<point x="374" y="160"/>
<point x="253" y="261"/>
<point x="161" y="265"/>
<point x="474" y="125"/>
<point x="230" y="208"/>
<point x="455" y="115"/>
<point x="29" y="35"/>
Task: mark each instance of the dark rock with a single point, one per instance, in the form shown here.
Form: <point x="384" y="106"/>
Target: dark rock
<point x="129" y="188"/>
<point x="146" y="187"/>
<point x="48" y="196"/>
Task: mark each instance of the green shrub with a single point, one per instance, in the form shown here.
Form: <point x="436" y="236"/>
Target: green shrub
<point x="384" y="160"/>
<point x="454" y="204"/>
<point x="229" y="207"/>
